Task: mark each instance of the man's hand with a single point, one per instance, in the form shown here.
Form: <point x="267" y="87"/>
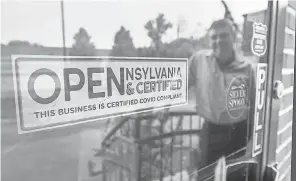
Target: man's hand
<point x="220" y="170"/>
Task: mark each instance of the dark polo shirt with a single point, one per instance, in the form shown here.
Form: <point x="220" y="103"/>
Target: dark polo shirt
<point x="222" y="96"/>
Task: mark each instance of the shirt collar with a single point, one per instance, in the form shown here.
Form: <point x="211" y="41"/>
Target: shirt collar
<point x="238" y="60"/>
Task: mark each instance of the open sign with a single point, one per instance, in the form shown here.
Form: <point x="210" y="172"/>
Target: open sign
<point x="51" y="92"/>
<point x="259" y="109"/>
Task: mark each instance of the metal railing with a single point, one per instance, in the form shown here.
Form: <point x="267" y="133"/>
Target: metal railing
<point x="164" y="148"/>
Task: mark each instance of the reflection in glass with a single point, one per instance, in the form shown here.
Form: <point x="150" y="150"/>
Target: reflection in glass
<point x="187" y="140"/>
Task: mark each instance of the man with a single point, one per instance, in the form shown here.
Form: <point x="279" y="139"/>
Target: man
<point x="222" y="81"/>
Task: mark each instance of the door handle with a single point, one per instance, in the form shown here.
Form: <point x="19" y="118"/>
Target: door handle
<point x="278" y="89"/>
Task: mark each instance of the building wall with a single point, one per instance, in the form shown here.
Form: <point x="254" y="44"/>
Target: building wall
<point x="284" y="133"/>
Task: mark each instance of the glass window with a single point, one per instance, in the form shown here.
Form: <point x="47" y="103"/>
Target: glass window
<point x="173" y="143"/>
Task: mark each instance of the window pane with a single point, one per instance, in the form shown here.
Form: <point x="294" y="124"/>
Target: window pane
<point x="183" y="142"/>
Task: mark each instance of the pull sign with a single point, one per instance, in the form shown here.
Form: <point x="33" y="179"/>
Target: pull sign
<point x="259" y="108"/>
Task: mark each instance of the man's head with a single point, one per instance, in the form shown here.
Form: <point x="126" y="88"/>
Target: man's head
<point x="222" y="39"/>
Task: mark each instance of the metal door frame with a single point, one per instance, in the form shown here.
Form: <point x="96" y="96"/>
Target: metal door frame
<point x="277" y="24"/>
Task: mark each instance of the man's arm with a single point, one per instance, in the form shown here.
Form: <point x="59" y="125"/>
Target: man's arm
<point x="162" y="114"/>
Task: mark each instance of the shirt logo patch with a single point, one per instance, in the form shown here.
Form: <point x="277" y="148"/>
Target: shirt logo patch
<point x="237" y="99"/>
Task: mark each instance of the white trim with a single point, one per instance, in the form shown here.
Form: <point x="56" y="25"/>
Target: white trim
<point x="291" y="11"/>
<point x="287" y="71"/>
<point x="286" y="110"/>
<point x="289" y="51"/>
<point x="288" y="125"/>
<point x="289" y="31"/>
<point x="283" y="145"/>
<point x="284" y="159"/>
<point x="284" y="174"/>
<point x="288" y="90"/>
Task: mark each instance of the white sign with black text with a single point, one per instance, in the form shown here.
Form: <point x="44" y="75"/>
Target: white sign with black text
<point x="259" y="108"/>
<point x="54" y="91"/>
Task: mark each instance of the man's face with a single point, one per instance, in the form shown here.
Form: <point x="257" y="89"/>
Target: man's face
<point x="222" y="41"/>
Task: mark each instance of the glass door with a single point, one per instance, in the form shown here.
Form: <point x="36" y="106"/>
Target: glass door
<point x="227" y="45"/>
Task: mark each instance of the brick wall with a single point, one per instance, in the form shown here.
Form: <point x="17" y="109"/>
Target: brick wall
<point x="284" y="133"/>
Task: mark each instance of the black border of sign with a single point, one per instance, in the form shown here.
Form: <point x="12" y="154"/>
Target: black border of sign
<point x="19" y="109"/>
